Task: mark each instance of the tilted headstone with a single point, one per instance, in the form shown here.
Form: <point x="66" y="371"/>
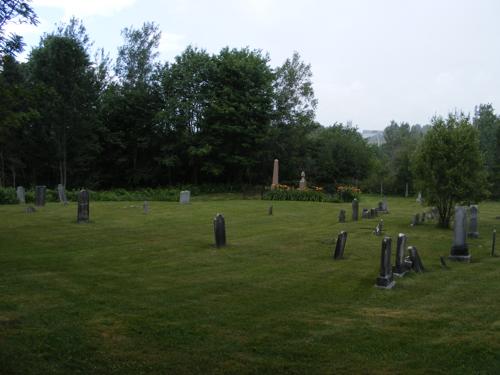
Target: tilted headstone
<point x="276" y="168"/>
<point x="270" y="210"/>
<point x="493" y="240"/>
<point x="460" y="248"/>
<point x="416" y="262"/>
<point x="355" y="209"/>
<point x="385" y="279"/>
<point x="340" y="245"/>
<point x="61" y="192"/>
<point x="83" y="214"/>
<point x="185" y="197"/>
<point x="40" y="196"/>
<point x="220" y="231"/>
<point x="473" y="222"/>
<point x="401" y="267"/>
<point x="145" y="207"/>
<point x="342" y="216"/>
<point x="21" y="194"/>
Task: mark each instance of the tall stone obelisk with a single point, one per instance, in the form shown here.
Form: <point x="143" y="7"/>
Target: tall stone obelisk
<point x="275" y="174"/>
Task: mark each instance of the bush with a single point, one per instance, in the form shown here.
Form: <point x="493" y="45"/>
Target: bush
<point x="297" y="195"/>
<point x="346" y="193"/>
<point x="8" y="196"/>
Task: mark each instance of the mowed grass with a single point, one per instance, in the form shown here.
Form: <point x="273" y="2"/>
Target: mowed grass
<point x="131" y="293"/>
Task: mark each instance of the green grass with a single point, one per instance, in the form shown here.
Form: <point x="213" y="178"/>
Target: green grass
<point x="131" y="293"/>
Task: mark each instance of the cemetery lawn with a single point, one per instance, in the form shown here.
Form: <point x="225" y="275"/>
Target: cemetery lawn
<point x="131" y="293"/>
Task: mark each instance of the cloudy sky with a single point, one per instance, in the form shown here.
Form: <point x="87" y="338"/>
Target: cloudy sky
<point x="373" y="60"/>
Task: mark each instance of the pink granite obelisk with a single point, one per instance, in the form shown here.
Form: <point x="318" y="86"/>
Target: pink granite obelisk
<point x="275" y="182"/>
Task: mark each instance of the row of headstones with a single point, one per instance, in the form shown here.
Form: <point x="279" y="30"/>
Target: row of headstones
<point x="366" y="213"/>
<point x="40" y="195"/>
<point x="419" y="219"/>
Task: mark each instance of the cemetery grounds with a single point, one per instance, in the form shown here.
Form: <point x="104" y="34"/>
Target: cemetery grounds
<point x="133" y="293"/>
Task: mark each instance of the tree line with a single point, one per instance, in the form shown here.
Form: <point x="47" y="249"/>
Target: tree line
<point x="73" y="116"/>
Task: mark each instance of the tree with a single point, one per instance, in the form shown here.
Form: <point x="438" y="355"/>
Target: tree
<point x="14" y="11"/>
<point x="449" y="165"/>
<point x="65" y="83"/>
<point x="487" y="123"/>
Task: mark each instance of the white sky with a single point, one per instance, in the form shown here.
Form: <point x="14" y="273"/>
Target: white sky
<point x="373" y="60"/>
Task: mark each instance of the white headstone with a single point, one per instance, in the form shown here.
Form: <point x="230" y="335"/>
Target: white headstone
<point x="185" y="197"/>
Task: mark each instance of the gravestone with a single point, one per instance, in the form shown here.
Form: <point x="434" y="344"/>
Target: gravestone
<point x="385" y="279"/>
<point x="302" y="182"/>
<point x="185" y="197"/>
<point x="340" y="245"/>
<point x="493" y="240"/>
<point x="379" y="228"/>
<point x="373" y="213"/>
<point x="219" y="231"/>
<point x="342" y="216"/>
<point x="406" y="190"/>
<point x="270" y="210"/>
<point x="21" y="194"/>
<point x="365" y="214"/>
<point x="145" y="207"/>
<point x="419" y="198"/>
<point x="61" y="192"/>
<point x="423" y="217"/>
<point x="473" y="222"/>
<point x="30" y="210"/>
<point x="460" y="249"/>
<point x="40" y="196"/>
<point x="416" y="262"/>
<point x="83" y="214"/>
<point x="355" y="209"/>
<point x="401" y="267"/>
<point x="380" y="206"/>
<point x="414" y="221"/>
<point x="276" y="168"/>
<point x="385" y="207"/>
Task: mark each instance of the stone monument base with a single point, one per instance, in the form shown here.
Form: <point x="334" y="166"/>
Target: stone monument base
<point x="460" y="258"/>
<point x="385" y="283"/>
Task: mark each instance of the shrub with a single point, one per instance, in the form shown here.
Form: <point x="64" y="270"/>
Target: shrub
<point x="8" y="196"/>
<point x="346" y="193"/>
<point x="297" y="195"/>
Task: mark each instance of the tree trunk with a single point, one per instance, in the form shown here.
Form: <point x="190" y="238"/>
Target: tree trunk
<point x="2" y="170"/>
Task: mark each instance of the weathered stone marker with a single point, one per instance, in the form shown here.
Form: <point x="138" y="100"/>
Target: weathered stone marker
<point x="342" y="216"/>
<point x="493" y="240"/>
<point x="145" y="207"/>
<point x="423" y="217"/>
<point x="401" y="268"/>
<point x="355" y="209"/>
<point x="21" y="194"/>
<point x="40" y="196"/>
<point x="385" y="279"/>
<point x="406" y="190"/>
<point x="83" y="214"/>
<point x="61" y="192"/>
<point x="270" y="211"/>
<point x="220" y="231"/>
<point x="340" y="245"/>
<point x="473" y="222"/>
<point x="302" y="182"/>
<point x="414" y="221"/>
<point x="385" y="207"/>
<point x="460" y="249"/>
<point x="365" y="214"/>
<point x="416" y="262"/>
<point x="379" y="228"/>
<point x="419" y="198"/>
<point x="276" y="169"/>
<point x="185" y="197"/>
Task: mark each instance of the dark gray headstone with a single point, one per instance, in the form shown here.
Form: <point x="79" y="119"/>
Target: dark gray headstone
<point x="401" y="267"/>
<point x="340" y="245"/>
<point x="385" y="279"/>
<point x="380" y="206"/>
<point x="40" y="196"/>
<point x="416" y="262"/>
<point x="61" y="192"/>
<point x="460" y="248"/>
<point x="373" y="213"/>
<point x="355" y="209"/>
<point x="220" y="231"/>
<point x="414" y="221"/>
<point x="406" y="190"/>
<point x="83" y="214"/>
<point x="342" y="216"/>
<point x="145" y="207"/>
<point x="365" y="214"/>
<point x="473" y="222"/>
<point x="423" y="217"/>
<point x="21" y="194"/>
<point x="270" y="210"/>
<point x="493" y="240"/>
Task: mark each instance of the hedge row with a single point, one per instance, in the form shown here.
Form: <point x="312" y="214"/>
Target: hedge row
<point x="298" y="195"/>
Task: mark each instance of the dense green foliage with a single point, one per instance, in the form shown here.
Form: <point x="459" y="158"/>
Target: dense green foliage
<point x="133" y="294"/>
<point x="449" y="165"/>
<point x="297" y="195"/>
<point x="18" y="12"/>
